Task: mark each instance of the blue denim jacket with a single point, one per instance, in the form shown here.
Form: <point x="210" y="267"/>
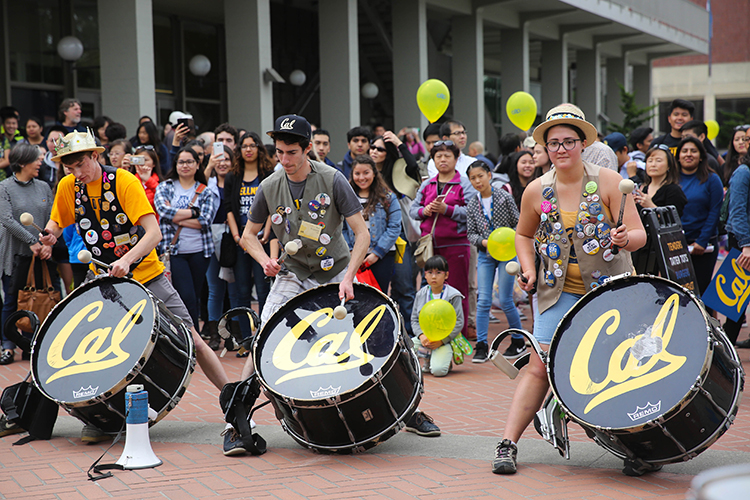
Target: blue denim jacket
<point x="384" y="230"/>
<point x="738" y="222"/>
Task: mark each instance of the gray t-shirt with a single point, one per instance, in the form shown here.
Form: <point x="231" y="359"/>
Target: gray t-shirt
<point x="347" y="202"/>
<point x="190" y="238"/>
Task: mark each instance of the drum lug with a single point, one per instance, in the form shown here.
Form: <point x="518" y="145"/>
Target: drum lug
<point x="617" y="277"/>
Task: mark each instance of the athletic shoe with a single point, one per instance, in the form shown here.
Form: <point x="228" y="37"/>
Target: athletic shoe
<point x="7" y="428"/>
<point x="481" y="353"/>
<point x="516" y="349"/>
<point x="505" y="458"/>
<point x="232" y="442"/>
<point x="634" y="469"/>
<point x="471" y="332"/>
<point x="493" y="319"/>
<point x="92" y="434"/>
<point x="7" y="357"/>
<point x="422" y="424"/>
<point x="743" y="344"/>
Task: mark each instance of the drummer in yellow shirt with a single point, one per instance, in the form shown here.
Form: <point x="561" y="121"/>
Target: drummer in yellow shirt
<point x="119" y="227"/>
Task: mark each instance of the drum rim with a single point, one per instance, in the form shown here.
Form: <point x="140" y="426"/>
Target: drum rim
<point x="666" y="415"/>
<point x="147" y="350"/>
<point x="390" y="360"/>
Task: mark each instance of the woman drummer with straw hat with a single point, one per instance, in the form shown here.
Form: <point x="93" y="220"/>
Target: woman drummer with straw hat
<point x="566" y="218"/>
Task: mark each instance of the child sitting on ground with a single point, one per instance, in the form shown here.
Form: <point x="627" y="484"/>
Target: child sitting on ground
<point x="438" y="354"/>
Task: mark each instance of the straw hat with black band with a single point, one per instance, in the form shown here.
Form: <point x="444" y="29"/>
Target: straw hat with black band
<point x="76" y="142"/>
<point x="565" y="114"/>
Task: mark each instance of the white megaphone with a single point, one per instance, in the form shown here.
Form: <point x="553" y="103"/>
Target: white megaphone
<point x="137" y="453"/>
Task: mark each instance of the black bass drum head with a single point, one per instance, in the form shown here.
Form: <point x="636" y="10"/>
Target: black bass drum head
<point x="628" y="352"/>
<point x="304" y="353"/>
<point x="91" y="341"/>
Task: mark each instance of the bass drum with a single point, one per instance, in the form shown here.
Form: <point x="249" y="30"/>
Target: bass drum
<point x="640" y="365"/>
<point x="338" y="386"/>
<point x="107" y="334"/>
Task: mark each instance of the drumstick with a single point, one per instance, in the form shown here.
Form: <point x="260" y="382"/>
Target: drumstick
<point x="626" y="187"/>
<point x="339" y="312"/>
<point x="514" y="268"/>
<point x="85" y="257"/>
<point x="28" y="220"/>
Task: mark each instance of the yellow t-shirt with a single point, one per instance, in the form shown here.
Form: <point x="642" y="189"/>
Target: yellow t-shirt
<point x="573" y="280"/>
<point x="132" y="201"/>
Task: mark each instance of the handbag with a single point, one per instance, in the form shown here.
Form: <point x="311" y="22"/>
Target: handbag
<point x="228" y="251"/>
<point x="40" y="302"/>
<point x="165" y="257"/>
<point x="411" y="226"/>
<point x="425" y="248"/>
<point x="366" y="276"/>
<point x="25" y="406"/>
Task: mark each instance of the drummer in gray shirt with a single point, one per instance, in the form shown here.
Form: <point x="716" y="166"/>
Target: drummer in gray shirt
<point x="307" y="202"/>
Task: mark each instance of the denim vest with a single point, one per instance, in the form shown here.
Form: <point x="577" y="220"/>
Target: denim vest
<point x="325" y="254"/>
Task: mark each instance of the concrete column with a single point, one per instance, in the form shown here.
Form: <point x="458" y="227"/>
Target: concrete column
<point x="467" y="93"/>
<point x="409" y="61"/>
<point x="249" y="96"/>
<point x="515" y="68"/>
<point x="588" y="84"/>
<point x="126" y="29"/>
<point x="615" y="78"/>
<point x="642" y="84"/>
<point x="5" y="99"/>
<point x="554" y="74"/>
<point x="339" y="71"/>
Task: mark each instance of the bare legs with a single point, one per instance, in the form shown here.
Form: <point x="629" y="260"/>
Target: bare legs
<point x="209" y="361"/>
<point x="528" y="398"/>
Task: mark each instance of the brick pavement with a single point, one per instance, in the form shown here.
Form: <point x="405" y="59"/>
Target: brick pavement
<point x="473" y="401"/>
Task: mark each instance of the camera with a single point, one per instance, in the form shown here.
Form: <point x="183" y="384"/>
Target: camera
<point x="137" y="160"/>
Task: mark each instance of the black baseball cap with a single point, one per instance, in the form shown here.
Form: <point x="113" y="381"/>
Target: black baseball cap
<point x="292" y="124"/>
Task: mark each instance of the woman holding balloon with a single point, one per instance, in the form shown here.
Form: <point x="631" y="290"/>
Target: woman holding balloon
<point x="560" y="220"/>
<point x="492" y="209"/>
<point x="440" y="205"/>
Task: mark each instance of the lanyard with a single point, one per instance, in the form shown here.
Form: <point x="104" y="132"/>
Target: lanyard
<point x="432" y="297"/>
<point x="488" y="218"/>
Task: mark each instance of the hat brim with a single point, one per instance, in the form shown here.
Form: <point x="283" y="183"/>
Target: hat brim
<point x="401" y="180"/>
<point x="588" y="129"/>
<point x="271" y="132"/>
<point x="98" y="149"/>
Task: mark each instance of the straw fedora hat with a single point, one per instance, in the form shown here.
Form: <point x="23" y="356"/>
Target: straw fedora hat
<point x="402" y="181"/>
<point x="76" y="142"/>
<point x="565" y="114"/>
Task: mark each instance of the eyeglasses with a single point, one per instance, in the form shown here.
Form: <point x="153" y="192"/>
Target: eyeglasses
<point x="459" y="133"/>
<point x="245" y="147"/>
<point x="378" y="148"/>
<point x="185" y="162"/>
<point x="568" y="144"/>
<point x="147" y="148"/>
<point x="741" y="127"/>
<point x="443" y="143"/>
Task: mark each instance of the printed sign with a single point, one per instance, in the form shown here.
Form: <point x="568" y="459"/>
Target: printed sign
<point x="729" y="291"/>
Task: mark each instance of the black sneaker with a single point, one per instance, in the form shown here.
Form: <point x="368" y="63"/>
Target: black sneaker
<point x="232" y="442"/>
<point x="505" y="458"/>
<point x="7" y="428"/>
<point x="481" y="353"/>
<point x="634" y="469"/>
<point x="422" y="424"/>
<point x="516" y="349"/>
<point x="743" y="344"/>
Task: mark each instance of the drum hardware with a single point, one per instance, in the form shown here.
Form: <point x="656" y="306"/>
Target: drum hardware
<point x="512" y="369"/>
<point x="236" y="400"/>
<point x="616" y="277"/>
<point x="550" y="422"/>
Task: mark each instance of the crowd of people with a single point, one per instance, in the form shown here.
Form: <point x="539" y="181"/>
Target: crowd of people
<point x="364" y="213"/>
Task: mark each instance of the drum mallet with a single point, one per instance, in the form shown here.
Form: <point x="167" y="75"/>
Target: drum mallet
<point x="626" y="187"/>
<point x="28" y="220"/>
<point x="291" y="248"/>
<point x="85" y="257"/>
<point x="514" y="268"/>
<point x="339" y="312"/>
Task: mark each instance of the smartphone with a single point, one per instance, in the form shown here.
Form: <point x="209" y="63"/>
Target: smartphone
<point x="188" y="122"/>
<point x="138" y="160"/>
<point x="218" y="150"/>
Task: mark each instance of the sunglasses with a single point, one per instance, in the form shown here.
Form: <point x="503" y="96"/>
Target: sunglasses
<point x="147" y="148"/>
<point x="741" y="127"/>
<point x="441" y="143"/>
<point x="378" y="148"/>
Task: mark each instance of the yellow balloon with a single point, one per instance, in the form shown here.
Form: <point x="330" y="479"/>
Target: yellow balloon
<point x="521" y="109"/>
<point x="433" y="98"/>
<point x="713" y="129"/>
<point x="437" y="319"/>
<point x="502" y="244"/>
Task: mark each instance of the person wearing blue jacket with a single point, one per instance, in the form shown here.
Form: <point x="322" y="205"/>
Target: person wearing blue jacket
<point x="382" y="213"/>
<point x="700" y="217"/>
<point x="738" y="228"/>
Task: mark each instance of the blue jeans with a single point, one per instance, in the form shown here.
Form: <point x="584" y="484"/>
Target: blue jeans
<point x="217" y="287"/>
<point x="403" y="285"/>
<point x="485" y="278"/>
<point x="246" y="272"/>
<point x="188" y="275"/>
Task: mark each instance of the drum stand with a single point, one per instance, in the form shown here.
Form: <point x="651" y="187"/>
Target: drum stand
<point x="550" y="422"/>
